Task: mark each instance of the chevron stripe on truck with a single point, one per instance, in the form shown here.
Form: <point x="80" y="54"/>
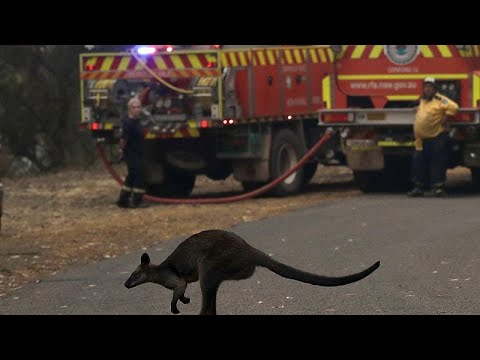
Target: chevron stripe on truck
<point x="125" y="66"/>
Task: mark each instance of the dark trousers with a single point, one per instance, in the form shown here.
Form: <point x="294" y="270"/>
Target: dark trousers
<point x="136" y="171"/>
<point x="429" y="166"/>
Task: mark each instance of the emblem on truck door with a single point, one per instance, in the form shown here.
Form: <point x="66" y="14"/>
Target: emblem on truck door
<point x="401" y="54"/>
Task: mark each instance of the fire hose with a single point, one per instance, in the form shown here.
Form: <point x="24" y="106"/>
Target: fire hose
<point x="167" y="84"/>
<point x="228" y="199"/>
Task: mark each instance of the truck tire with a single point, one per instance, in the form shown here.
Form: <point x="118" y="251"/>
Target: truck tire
<point x="251" y="185"/>
<point x="176" y="185"/>
<point x="309" y="171"/>
<point x="113" y="153"/>
<point x="219" y="170"/>
<point x="368" y="181"/>
<point x="397" y="173"/>
<point x="286" y="151"/>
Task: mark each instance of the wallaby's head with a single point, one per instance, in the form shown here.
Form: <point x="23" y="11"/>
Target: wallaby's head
<point x="140" y="275"/>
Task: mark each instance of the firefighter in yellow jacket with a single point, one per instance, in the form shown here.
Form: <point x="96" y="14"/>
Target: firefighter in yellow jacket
<point x="430" y="161"/>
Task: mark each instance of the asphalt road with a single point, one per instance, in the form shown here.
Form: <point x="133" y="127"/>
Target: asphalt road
<point x="428" y="248"/>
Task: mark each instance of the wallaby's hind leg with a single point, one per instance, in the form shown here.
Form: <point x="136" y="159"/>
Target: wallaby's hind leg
<point x="179" y="294"/>
<point x="210" y="280"/>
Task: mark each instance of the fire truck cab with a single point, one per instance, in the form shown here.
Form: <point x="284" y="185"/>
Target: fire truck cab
<point x="371" y="97"/>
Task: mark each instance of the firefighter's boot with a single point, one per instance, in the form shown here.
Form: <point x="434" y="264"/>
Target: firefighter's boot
<point x="124" y="197"/>
<point x="137" y="200"/>
<point x="416" y="191"/>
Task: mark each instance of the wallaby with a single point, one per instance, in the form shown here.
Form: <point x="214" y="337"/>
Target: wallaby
<point x="214" y="256"/>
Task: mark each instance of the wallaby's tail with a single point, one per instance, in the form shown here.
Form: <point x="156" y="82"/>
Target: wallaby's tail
<point x="295" y="274"/>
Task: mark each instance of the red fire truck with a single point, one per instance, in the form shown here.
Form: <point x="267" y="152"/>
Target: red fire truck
<point x="255" y="111"/>
<point x="213" y="110"/>
<point x="370" y="97"/>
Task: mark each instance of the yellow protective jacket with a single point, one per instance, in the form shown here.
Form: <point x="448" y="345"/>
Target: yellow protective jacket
<point x="429" y="120"/>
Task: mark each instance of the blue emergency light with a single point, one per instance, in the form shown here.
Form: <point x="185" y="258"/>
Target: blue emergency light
<point x="146" y="50"/>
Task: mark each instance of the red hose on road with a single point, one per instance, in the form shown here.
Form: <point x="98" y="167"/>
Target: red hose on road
<point x="228" y="199"/>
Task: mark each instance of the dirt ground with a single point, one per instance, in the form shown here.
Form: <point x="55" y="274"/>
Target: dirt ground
<point x="55" y="221"/>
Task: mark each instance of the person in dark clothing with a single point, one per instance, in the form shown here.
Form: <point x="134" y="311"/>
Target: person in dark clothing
<point x="132" y="144"/>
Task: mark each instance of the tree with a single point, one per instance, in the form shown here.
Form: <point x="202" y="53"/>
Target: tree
<point x="40" y="96"/>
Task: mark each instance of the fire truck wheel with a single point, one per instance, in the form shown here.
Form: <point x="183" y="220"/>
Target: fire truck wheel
<point x="175" y="185"/>
<point x="309" y="171"/>
<point x="286" y="152"/>
<point x="368" y="181"/>
<point x="397" y="173"/>
<point x="113" y="152"/>
<point x="251" y="185"/>
<point x="219" y="170"/>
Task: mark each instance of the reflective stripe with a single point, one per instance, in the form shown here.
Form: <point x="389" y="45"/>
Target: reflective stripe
<point x="107" y="63"/>
<point x="261" y="58"/>
<point x="376" y="51"/>
<point x="177" y="62"/>
<point x="150" y="135"/>
<point x="323" y="58"/>
<point x="298" y="57"/>
<point x="243" y="60"/>
<point x="395" y="143"/>
<point x="233" y="59"/>
<point x="476" y="91"/>
<point x="426" y="52"/>
<point x="362" y="148"/>
<point x="476" y="51"/>
<point x="124" y="63"/>
<point x="444" y="50"/>
<point x="402" y="97"/>
<point x="271" y="57"/>
<point x="326" y="92"/>
<point x="224" y="59"/>
<point x="400" y="77"/>
<point x="288" y="56"/>
<point x="313" y="56"/>
<point x="91" y="61"/>
<point x="330" y="54"/>
<point x="194" y="133"/>
<point x="357" y="53"/>
<point x="194" y="61"/>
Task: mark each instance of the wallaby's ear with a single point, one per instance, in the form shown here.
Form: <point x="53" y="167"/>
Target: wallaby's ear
<point x="145" y="259"/>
